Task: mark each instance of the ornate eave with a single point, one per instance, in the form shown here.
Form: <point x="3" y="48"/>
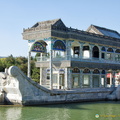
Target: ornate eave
<point x="57" y="29"/>
<point x="85" y="37"/>
<point x="36" y="35"/>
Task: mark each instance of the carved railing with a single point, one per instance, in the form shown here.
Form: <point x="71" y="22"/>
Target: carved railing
<point x="75" y="58"/>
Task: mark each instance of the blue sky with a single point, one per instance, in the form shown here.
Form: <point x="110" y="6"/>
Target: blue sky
<point x="18" y="14"/>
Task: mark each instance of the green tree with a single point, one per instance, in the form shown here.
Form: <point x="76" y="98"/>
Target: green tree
<point x="10" y="60"/>
<point x="20" y="60"/>
<point x="36" y="74"/>
<point x="22" y="63"/>
<point x="1" y="66"/>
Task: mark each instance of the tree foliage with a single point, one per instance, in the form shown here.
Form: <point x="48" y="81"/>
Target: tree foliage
<point x="36" y="74"/>
<point x="22" y="63"/>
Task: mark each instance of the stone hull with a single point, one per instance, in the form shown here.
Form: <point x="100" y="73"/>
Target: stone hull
<point x="20" y="89"/>
<point x="1" y="98"/>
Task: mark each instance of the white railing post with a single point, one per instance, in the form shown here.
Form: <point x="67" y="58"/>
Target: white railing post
<point x="51" y="77"/>
<point x="29" y="66"/>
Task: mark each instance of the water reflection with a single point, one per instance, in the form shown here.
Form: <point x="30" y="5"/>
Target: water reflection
<point x="10" y="113"/>
<point x="57" y="114"/>
<point x="13" y="113"/>
<point x="76" y="111"/>
<point x="49" y="112"/>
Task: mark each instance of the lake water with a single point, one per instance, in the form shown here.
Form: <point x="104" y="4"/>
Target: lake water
<point x="75" y="111"/>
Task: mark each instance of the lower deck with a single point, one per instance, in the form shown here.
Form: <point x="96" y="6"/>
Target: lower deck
<point x="19" y="89"/>
<point x="73" y="78"/>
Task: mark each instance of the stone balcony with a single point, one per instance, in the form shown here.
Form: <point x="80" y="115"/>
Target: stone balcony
<point x="70" y="61"/>
<point x="71" y="58"/>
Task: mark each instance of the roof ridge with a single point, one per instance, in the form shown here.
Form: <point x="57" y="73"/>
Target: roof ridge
<point x="54" y="20"/>
<point x="50" y="22"/>
<point x="105" y="28"/>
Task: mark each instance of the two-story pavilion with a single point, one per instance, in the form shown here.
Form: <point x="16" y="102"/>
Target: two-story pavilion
<point x="72" y="58"/>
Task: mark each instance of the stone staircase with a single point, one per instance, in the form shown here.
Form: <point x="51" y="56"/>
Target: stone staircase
<point x="115" y="95"/>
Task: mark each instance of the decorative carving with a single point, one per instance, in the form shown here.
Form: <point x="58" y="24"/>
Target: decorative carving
<point x="3" y="75"/>
<point x="3" y="80"/>
<point x="13" y="71"/>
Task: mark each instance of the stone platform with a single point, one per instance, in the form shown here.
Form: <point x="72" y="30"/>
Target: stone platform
<point x="19" y="89"/>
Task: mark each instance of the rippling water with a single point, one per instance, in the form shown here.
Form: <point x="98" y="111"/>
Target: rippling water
<point x="75" y="111"/>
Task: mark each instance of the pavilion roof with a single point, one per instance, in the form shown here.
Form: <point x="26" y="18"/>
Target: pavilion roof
<point x="103" y="31"/>
<point x="48" y="22"/>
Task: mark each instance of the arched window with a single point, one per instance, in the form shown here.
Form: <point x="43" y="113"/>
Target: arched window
<point x="95" y="52"/>
<point x="59" y="49"/>
<point x="103" y="49"/>
<point x="103" y="72"/>
<point x="75" y="78"/>
<point x="96" y="71"/>
<point x="110" y="50"/>
<point x="75" y="70"/>
<point x="85" y="47"/>
<point x="109" y="54"/>
<point x="39" y="47"/>
<point x="86" y="78"/>
<point x="86" y="52"/>
<point x="117" y="55"/>
<point x="59" y="45"/>
<point x="117" y="51"/>
<point x="86" y="71"/>
<point x="75" y="49"/>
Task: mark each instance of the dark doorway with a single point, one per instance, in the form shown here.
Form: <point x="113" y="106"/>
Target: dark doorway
<point x="95" y="52"/>
<point x="103" y="55"/>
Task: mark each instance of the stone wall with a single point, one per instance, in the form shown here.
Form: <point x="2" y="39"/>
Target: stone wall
<point x="22" y="90"/>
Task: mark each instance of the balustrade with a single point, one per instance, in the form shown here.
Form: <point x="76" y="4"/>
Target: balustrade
<point x="76" y="58"/>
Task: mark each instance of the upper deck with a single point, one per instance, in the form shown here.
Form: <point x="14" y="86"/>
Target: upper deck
<point x="71" y="61"/>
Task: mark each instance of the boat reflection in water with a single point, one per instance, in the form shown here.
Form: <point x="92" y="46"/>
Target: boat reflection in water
<point x="73" y="111"/>
<point x="10" y="113"/>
